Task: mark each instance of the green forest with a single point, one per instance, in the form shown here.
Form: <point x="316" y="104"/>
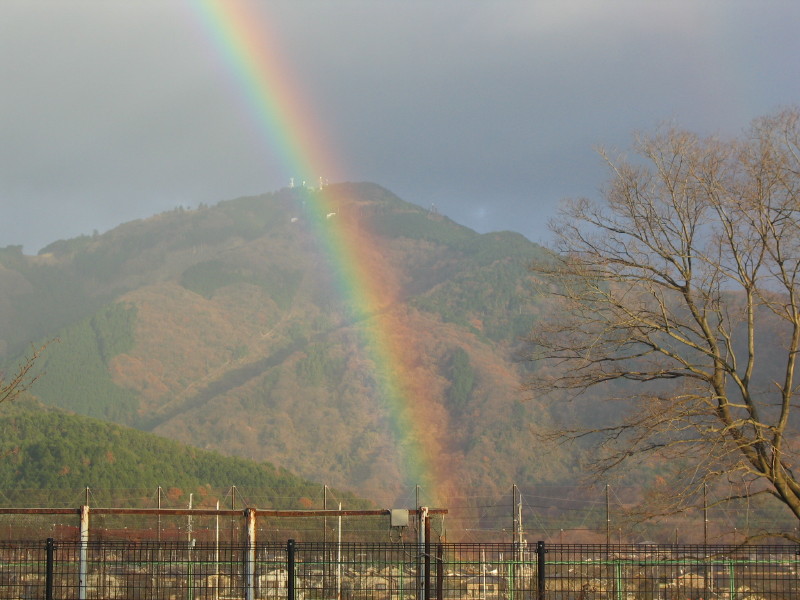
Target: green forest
<point x="50" y="451"/>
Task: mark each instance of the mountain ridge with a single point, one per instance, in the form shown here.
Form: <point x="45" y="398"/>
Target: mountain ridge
<point x="218" y="327"/>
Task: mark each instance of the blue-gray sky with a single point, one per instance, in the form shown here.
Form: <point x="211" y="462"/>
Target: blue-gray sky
<point x="113" y="110"/>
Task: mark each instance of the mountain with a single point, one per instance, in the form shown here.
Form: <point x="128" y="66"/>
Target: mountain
<point x="226" y="328"/>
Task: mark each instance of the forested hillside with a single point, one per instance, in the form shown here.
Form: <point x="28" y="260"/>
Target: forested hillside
<point x="46" y="452"/>
<point x="221" y="327"/>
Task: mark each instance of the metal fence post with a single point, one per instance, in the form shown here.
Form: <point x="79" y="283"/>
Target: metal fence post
<point x="48" y="583"/>
<point x="427" y="559"/>
<point x="83" y="567"/>
<point x="540" y="566"/>
<point x="290" y="571"/>
<point x="250" y="554"/>
<point x="439" y="572"/>
<point x="422" y="549"/>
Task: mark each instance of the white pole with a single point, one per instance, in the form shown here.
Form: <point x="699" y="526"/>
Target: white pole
<point x="250" y="570"/>
<point x="483" y="574"/>
<point x="421" y="542"/>
<point x="216" y="557"/>
<point x="189" y="519"/>
<point x="339" y="558"/>
<point x="190" y="545"/>
<point x="82" y="569"/>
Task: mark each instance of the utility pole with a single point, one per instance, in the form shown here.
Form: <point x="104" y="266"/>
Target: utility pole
<point x="325" y="519"/>
<point x="705" y="514"/>
<point x="519" y="521"/>
<point x="517" y="516"/>
<point x="514" y="512"/>
<point x="608" y="518"/>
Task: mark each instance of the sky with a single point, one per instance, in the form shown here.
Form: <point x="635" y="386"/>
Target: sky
<point x="491" y="111"/>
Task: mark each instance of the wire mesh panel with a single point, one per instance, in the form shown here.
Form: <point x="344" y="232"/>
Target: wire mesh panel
<point x="271" y="578"/>
<point x="760" y="571"/>
<point x="22" y="569"/>
<point x="667" y="572"/>
<point x="169" y="570"/>
<point x="408" y="571"/>
<point x="485" y="572"/>
<point x="147" y="570"/>
<point x="356" y="571"/>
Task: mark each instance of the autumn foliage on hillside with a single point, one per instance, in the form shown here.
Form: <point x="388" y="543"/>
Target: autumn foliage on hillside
<point x="230" y="328"/>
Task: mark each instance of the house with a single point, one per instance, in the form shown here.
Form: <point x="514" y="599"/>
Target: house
<point x="487" y="587"/>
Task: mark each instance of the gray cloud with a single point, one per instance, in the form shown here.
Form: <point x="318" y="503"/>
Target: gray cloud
<point x="117" y="110"/>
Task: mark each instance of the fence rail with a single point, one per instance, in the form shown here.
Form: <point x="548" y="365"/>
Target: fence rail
<point x="395" y="571"/>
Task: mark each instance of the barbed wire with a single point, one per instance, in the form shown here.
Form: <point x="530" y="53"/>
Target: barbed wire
<point x="546" y="511"/>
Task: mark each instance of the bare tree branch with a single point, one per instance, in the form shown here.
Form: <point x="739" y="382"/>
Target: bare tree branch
<point x="22" y="379"/>
<point x="677" y="298"/>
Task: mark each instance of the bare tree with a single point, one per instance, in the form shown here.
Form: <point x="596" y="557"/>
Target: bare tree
<point x="22" y="379"/>
<point x="679" y="296"/>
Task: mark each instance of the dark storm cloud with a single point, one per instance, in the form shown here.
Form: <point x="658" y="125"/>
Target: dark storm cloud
<point x="490" y="110"/>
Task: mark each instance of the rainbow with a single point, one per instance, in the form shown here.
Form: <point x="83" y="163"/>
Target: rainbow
<point x="287" y="127"/>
